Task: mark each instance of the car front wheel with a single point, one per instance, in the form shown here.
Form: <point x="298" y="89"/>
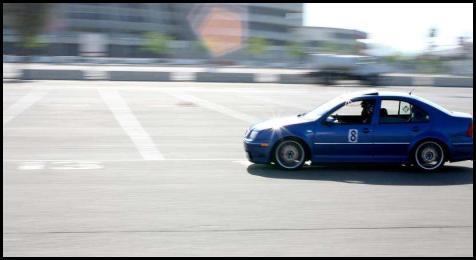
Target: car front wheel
<point x="290" y="155"/>
<point x="429" y="156"/>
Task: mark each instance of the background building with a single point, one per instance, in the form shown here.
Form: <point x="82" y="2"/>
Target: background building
<point x="331" y="40"/>
<point x="123" y="25"/>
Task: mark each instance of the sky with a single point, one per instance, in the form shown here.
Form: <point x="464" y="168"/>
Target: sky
<point x="402" y="27"/>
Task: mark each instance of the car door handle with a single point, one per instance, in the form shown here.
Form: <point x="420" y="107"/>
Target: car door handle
<point x="416" y="129"/>
<point x="366" y="130"/>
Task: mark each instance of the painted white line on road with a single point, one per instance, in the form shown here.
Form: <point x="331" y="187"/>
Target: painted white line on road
<point x="32" y="165"/>
<point x="60" y="165"/>
<point x="202" y="159"/>
<point x="23" y="104"/>
<point x="131" y="160"/>
<point x="245" y="163"/>
<point x="215" y="107"/>
<point x="123" y="114"/>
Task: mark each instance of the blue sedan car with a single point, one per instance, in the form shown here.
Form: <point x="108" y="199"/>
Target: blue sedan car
<point x="365" y="127"/>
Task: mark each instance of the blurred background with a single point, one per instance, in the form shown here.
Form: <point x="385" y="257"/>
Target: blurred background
<point x="274" y="35"/>
<point x="123" y="126"/>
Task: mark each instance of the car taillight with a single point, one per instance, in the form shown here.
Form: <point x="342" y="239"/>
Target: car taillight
<point x="469" y="133"/>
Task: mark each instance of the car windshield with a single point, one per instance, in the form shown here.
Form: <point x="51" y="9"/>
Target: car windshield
<point x="322" y="109"/>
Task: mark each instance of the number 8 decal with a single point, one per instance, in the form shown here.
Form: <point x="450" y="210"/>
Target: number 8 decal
<point x="353" y="136"/>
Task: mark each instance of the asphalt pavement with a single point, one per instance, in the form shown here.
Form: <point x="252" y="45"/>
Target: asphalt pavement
<point x="101" y="168"/>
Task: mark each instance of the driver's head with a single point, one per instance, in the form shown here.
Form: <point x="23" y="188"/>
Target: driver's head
<point x="366" y="104"/>
<point x="367" y="107"/>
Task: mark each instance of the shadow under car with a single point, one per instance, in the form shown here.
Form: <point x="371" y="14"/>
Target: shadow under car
<point x="370" y="174"/>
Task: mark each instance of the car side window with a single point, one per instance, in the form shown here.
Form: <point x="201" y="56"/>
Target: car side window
<point x="355" y="112"/>
<point x="396" y="111"/>
<point x="419" y="115"/>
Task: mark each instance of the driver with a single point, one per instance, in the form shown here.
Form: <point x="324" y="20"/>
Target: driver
<point x="367" y="111"/>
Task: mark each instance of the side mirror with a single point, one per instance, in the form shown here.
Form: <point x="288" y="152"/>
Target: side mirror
<point x="329" y="121"/>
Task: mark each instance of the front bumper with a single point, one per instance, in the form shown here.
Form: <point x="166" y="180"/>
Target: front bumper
<point x="256" y="153"/>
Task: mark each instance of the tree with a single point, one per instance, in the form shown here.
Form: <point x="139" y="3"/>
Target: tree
<point x="28" y="20"/>
<point x="157" y="43"/>
<point x="256" y="46"/>
<point x="394" y="58"/>
<point x="295" y="49"/>
<point x="199" y="47"/>
<point x="330" y="47"/>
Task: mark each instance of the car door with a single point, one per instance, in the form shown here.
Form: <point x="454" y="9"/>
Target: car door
<point x="399" y="122"/>
<point x="341" y="137"/>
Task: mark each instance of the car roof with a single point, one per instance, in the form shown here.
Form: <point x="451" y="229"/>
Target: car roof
<point x="393" y="94"/>
<point x="374" y="92"/>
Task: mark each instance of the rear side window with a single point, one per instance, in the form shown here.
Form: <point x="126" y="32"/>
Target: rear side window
<point x="396" y="111"/>
<point x="419" y="115"/>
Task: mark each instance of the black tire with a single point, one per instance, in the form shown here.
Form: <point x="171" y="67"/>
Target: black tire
<point x="289" y="155"/>
<point x="429" y="156"/>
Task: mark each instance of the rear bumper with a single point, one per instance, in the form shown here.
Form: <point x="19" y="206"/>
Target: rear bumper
<point x="462" y="152"/>
<point x="255" y="153"/>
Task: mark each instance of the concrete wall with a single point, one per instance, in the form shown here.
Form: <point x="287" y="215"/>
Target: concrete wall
<point x="283" y="78"/>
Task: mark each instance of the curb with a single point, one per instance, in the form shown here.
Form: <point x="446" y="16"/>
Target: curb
<point x="385" y="80"/>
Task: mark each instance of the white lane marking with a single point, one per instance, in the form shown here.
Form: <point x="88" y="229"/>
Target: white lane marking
<point x="201" y="159"/>
<point x="245" y="163"/>
<point x="33" y="165"/>
<point x="75" y="165"/>
<point x="215" y="107"/>
<point x="60" y="165"/>
<point x="130" y="160"/>
<point x="23" y="104"/>
<point x="123" y="114"/>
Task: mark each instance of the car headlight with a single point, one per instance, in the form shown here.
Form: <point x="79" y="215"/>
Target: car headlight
<point x="247" y="132"/>
<point x="253" y="134"/>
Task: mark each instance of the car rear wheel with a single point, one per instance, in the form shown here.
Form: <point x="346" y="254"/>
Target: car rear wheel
<point x="290" y="155"/>
<point x="429" y="156"/>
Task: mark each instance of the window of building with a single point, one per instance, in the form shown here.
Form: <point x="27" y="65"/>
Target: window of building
<point x="267" y="11"/>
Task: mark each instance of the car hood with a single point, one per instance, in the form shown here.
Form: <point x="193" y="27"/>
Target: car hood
<point x="279" y="122"/>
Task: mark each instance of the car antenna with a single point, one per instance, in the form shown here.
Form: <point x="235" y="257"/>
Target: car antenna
<point x="410" y="93"/>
